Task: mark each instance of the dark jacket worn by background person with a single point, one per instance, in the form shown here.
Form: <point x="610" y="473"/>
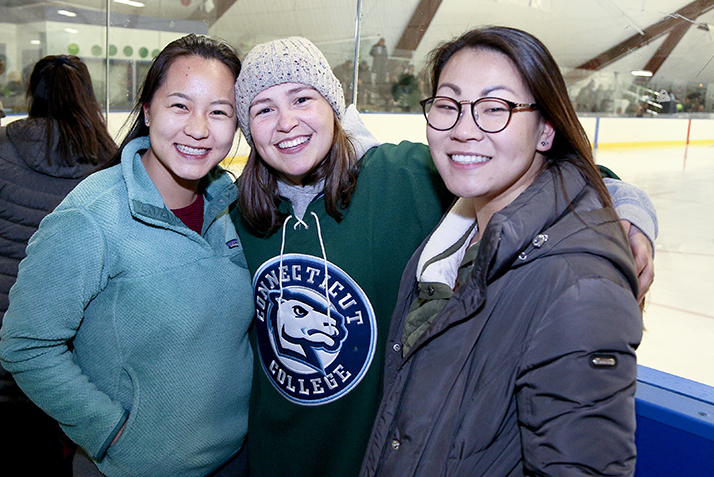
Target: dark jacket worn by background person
<point x="29" y="189"/>
<point x="530" y="367"/>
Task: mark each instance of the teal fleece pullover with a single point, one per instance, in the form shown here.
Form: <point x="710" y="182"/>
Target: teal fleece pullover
<point x="122" y="315"/>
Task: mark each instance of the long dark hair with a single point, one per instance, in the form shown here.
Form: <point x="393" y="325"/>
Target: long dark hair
<point x="189" y="45"/>
<point x="541" y="75"/>
<point x="259" y="198"/>
<point x="60" y="89"/>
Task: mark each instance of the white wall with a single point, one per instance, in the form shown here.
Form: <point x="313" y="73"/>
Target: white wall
<point x="648" y="132"/>
<point x="613" y="132"/>
<point x="395" y="127"/>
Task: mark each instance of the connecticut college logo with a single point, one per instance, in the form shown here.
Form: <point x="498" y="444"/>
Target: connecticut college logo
<point x="316" y="334"/>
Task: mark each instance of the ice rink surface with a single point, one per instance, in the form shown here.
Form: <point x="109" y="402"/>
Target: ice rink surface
<point x="679" y="314"/>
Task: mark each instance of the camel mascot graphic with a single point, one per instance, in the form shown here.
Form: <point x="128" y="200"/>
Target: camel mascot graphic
<point x="301" y="326"/>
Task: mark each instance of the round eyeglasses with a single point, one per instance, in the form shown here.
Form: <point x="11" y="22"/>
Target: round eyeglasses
<point x="491" y="115"/>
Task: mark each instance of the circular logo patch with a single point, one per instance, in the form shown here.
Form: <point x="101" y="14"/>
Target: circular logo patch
<point x="316" y="332"/>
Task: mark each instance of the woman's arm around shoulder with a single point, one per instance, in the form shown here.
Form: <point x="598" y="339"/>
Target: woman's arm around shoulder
<point x="634" y="205"/>
<point x="639" y="219"/>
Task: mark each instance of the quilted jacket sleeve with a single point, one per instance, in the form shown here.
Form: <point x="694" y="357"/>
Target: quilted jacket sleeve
<point x="576" y="389"/>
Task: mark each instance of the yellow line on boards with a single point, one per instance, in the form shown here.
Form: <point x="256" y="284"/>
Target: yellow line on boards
<point x="654" y="144"/>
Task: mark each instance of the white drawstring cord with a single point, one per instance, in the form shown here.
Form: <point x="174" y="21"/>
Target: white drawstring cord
<point x="322" y="247"/>
<point x="324" y="258"/>
<point x="300" y="222"/>
<point x="282" y="247"/>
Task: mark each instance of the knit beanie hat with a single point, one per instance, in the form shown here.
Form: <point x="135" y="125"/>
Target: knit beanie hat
<point x="290" y="60"/>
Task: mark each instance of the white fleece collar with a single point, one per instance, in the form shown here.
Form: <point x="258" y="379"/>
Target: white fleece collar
<point x="456" y="223"/>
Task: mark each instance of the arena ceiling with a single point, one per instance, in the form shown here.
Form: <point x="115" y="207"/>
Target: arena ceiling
<point x="673" y="38"/>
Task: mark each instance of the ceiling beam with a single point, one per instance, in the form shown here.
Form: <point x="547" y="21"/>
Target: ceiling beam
<point x="667" y="46"/>
<point x="222" y="7"/>
<point x="415" y="29"/>
<point x="690" y="11"/>
<point x="219" y="8"/>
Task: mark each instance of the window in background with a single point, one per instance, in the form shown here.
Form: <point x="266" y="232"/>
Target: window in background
<point x="623" y="60"/>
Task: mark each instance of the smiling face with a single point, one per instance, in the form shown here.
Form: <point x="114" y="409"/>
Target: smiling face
<point x="192" y="122"/>
<point x="293" y="127"/>
<point x="492" y="169"/>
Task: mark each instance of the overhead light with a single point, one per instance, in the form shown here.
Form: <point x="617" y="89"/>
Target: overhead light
<point x="131" y="3"/>
<point x="71" y="30"/>
<point x="66" y="13"/>
<point x="35" y="42"/>
<point x="643" y="73"/>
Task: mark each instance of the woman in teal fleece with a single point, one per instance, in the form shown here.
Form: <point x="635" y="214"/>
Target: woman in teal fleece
<point x="119" y="326"/>
<point x="329" y="219"/>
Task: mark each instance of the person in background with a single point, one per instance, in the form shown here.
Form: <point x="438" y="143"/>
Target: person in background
<point x="329" y="218"/>
<point x="120" y="325"/>
<point x="2" y="70"/>
<point x="380" y="68"/>
<point x="514" y="335"/>
<point x="13" y="91"/>
<point x="42" y="158"/>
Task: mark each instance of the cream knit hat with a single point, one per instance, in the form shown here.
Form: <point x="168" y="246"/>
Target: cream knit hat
<point x="290" y="60"/>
